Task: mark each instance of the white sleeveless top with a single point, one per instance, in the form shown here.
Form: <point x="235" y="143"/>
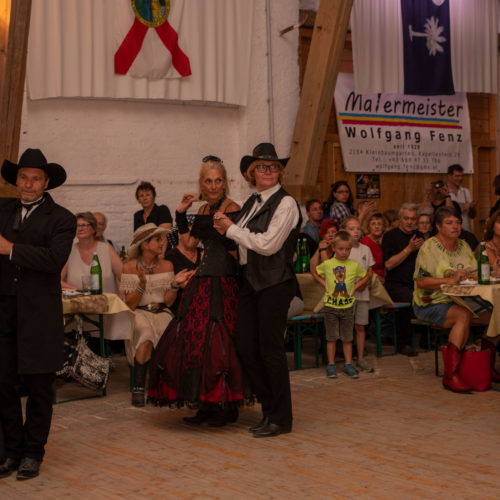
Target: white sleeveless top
<point x="77" y="268"/>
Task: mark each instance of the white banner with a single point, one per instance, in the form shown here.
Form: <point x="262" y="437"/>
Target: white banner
<point x="402" y="133"/>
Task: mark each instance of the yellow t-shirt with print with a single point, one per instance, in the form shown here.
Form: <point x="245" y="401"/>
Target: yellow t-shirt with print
<point x="340" y="277"/>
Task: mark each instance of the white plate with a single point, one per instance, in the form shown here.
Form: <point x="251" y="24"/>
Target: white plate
<point x="468" y="283"/>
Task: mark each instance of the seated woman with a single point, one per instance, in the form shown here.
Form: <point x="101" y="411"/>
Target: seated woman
<point x="374" y="230"/>
<point x="492" y="238"/>
<point x="186" y="254"/>
<point x="340" y="202"/>
<point x="148" y="286"/>
<point x="151" y="212"/>
<point x="80" y="258"/>
<point x="325" y="251"/>
<point x="424" y="225"/>
<point x="445" y="259"/>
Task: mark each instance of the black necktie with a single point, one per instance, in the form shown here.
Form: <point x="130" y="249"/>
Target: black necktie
<point x="30" y="206"/>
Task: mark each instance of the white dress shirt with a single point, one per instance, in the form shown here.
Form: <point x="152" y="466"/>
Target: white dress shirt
<point x="462" y="196"/>
<point x="284" y="219"/>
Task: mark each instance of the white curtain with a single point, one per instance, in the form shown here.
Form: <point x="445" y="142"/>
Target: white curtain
<point x="72" y="46"/>
<point x="377" y="44"/>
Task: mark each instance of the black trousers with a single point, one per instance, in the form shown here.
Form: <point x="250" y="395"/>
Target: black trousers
<point x="260" y="326"/>
<point x="402" y="293"/>
<point x="28" y="438"/>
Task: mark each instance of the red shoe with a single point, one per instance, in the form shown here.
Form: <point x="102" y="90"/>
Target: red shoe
<point x="451" y="378"/>
<point x="487" y="345"/>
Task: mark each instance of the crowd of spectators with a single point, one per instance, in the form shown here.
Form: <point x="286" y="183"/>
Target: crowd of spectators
<point x="387" y="244"/>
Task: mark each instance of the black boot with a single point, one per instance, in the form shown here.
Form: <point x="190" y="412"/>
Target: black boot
<point x="140" y="371"/>
<point x="200" y="417"/>
<point x="223" y="416"/>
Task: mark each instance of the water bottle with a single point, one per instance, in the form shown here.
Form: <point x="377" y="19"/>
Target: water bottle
<point x="483" y="265"/>
<point x="306" y="258"/>
<point x="95" y="275"/>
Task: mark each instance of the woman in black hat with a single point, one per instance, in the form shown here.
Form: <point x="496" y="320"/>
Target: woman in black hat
<point x="266" y="233"/>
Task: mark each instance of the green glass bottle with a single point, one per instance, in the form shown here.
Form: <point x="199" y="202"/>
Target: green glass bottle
<point x="483" y="265"/>
<point x="95" y="275"/>
<point x="306" y="258"/>
<point x="298" y="261"/>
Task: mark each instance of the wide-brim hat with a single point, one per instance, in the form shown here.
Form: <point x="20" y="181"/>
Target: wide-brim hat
<point x="142" y="234"/>
<point x="34" y="158"/>
<point x="263" y="151"/>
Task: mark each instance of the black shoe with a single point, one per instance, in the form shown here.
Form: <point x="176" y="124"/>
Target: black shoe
<point x="258" y="427"/>
<point x="28" y="468"/>
<point x="198" y="419"/>
<point x="271" y="430"/>
<point x="8" y="467"/>
<point x="222" y="417"/>
<point x="408" y="351"/>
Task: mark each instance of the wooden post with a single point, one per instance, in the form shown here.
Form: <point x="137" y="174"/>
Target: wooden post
<point x="323" y="63"/>
<point x="13" y="50"/>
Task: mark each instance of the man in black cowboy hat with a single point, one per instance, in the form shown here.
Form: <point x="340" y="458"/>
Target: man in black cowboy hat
<point x="266" y="232"/>
<point x="35" y="241"/>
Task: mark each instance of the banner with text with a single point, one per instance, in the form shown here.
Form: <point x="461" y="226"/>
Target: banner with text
<point x="402" y="133"/>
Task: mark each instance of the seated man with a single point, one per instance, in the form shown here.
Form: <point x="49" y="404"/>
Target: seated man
<point x="314" y="210"/>
<point x="445" y="259"/>
<point x="102" y="224"/>
<point x="399" y="250"/>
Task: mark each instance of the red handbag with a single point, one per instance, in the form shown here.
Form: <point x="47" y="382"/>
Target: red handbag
<point x="475" y="369"/>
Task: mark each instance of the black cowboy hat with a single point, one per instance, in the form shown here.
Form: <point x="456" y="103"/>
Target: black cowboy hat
<point x="34" y="158"/>
<point x="263" y="151"/>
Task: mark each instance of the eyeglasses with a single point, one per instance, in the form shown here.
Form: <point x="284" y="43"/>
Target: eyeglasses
<point x="82" y="226"/>
<point x="267" y="168"/>
<point x="211" y="158"/>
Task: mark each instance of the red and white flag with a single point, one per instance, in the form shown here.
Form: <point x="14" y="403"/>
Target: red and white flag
<point x="147" y="38"/>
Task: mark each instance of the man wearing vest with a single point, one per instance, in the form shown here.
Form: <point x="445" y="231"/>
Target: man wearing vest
<point x="35" y="241"/>
<point x="266" y="232"/>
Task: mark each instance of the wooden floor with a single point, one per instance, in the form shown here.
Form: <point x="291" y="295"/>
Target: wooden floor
<point x="394" y="433"/>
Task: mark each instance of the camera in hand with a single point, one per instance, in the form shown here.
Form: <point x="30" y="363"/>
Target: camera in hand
<point x="438" y="184"/>
<point x="419" y="234"/>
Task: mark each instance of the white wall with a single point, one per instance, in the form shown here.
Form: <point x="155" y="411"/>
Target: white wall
<point x="107" y="147"/>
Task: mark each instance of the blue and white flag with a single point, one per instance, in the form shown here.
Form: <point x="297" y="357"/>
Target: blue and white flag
<point x="427" y="47"/>
<point x="424" y="46"/>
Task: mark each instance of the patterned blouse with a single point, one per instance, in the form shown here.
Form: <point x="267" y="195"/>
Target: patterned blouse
<point x="433" y="260"/>
<point x="339" y="211"/>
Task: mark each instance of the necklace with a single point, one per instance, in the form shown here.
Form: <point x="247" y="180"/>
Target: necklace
<point x="149" y="268"/>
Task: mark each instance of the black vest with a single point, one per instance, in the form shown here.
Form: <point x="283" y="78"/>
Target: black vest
<point x="264" y="271"/>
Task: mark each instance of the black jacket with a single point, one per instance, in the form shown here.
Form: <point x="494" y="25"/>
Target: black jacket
<point x="41" y="248"/>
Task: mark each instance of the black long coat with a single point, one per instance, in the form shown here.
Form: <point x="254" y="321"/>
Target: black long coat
<point x="41" y="248"/>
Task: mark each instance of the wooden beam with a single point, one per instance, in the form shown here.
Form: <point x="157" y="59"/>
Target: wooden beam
<point x="12" y="75"/>
<point x="323" y="63"/>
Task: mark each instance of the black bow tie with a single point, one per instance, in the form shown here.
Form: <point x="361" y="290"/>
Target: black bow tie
<point x="256" y="196"/>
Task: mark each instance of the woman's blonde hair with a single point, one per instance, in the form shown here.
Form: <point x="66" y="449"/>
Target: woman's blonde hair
<point x="213" y="164"/>
<point x="250" y="175"/>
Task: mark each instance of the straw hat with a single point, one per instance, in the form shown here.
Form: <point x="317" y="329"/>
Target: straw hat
<point x="142" y="234"/>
